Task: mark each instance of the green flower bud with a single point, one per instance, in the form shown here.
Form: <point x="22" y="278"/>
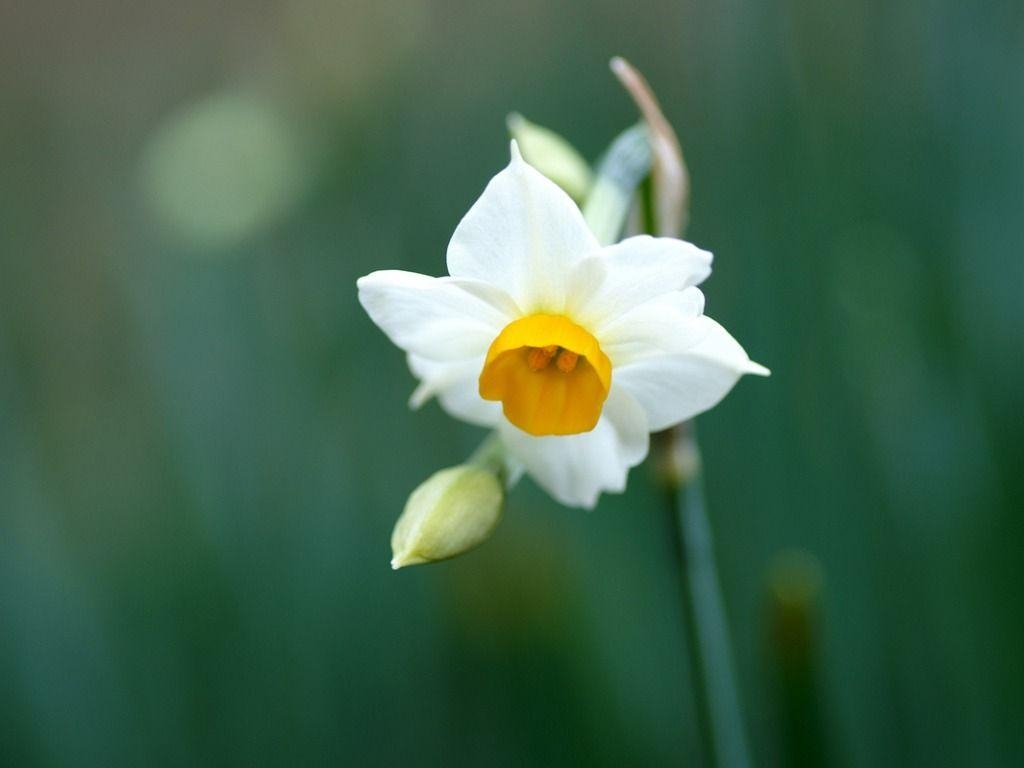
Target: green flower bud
<point x="453" y="511"/>
<point x="552" y="155"/>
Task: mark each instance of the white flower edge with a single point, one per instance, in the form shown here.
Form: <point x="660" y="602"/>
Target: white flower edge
<point x="522" y="248"/>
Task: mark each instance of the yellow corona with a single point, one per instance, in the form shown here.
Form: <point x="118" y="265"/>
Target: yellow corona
<point x="549" y="374"/>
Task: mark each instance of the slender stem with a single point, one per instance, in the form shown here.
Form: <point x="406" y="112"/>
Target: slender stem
<point x="490" y="455"/>
<point x="720" y="718"/>
<point x="718" y="708"/>
<point x="692" y="640"/>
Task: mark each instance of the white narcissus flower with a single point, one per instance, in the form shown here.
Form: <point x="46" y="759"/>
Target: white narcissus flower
<point x="574" y="352"/>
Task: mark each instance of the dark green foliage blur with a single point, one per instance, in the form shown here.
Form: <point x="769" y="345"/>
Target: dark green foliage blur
<point x="204" y="442"/>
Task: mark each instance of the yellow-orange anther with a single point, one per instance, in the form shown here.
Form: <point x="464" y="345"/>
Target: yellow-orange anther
<point x="567" y="361"/>
<point x="540" y="398"/>
<point x="539" y="357"/>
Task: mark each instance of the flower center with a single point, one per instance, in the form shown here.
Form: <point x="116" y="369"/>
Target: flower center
<point x="549" y="374"/>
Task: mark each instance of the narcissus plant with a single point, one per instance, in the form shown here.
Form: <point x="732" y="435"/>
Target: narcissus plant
<point x="572" y="351"/>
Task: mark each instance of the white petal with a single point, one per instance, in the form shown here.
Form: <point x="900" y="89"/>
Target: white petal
<point x="668" y="324"/>
<point x="622" y="276"/>
<point x="576" y="469"/>
<point x="440" y="318"/>
<point x="675" y="387"/>
<point x="455" y="384"/>
<point x="523" y="235"/>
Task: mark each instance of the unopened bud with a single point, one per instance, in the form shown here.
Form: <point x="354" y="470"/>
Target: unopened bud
<point x="451" y="512"/>
<point x="552" y="155"/>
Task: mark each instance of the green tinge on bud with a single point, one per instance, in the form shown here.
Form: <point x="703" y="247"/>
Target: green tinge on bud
<point x="552" y="155"/>
<point x="451" y="512"/>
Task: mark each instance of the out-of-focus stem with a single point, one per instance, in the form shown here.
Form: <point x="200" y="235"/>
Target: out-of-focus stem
<point x="717" y="699"/>
<point x="795" y="588"/>
<point x="720" y="718"/>
<point x="490" y="455"/>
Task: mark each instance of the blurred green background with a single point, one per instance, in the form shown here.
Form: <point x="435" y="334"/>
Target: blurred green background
<point x="204" y="442"/>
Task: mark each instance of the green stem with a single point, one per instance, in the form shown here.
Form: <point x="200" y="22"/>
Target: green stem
<point x="490" y="455"/>
<point x="720" y="719"/>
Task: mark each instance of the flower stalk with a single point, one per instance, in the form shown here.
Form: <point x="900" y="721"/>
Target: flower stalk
<point x="677" y="459"/>
<point x="719" y="715"/>
<point x="490" y="455"/>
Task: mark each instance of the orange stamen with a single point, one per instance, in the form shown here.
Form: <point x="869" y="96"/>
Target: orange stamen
<point x="539" y="357"/>
<point x="567" y="361"/>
